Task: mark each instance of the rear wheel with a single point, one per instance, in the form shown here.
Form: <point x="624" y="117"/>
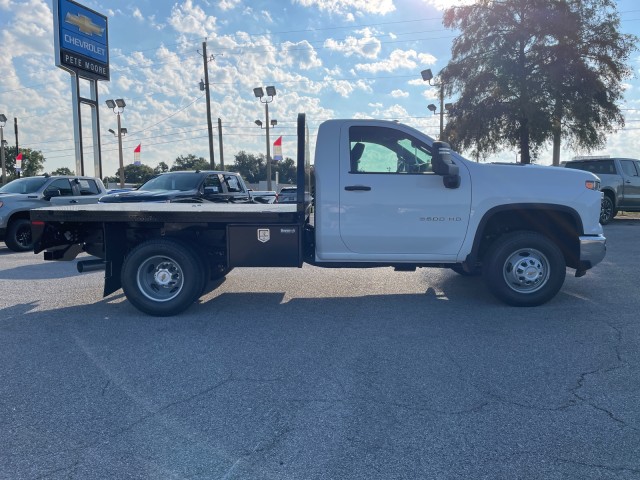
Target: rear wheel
<point x="18" y="236"/>
<point x="607" y="210"/>
<point x="162" y="277"/>
<point x="524" y="269"/>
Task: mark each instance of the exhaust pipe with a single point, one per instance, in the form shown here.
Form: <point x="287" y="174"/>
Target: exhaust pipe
<point x="90" y="265"/>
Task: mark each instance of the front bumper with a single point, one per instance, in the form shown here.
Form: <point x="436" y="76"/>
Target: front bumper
<point x="592" y="250"/>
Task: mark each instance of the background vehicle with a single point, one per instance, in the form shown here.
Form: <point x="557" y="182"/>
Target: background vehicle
<point x="290" y="195"/>
<point x="187" y="187"/>
<point x="264" y="196"/>
<point x="619" y="182"/>
<point x="22" y="194"/>
<point x="385" y="195"/>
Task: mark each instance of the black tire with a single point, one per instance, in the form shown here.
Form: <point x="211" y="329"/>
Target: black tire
<point x="162" y="277"/>
<point x="524" y="269"/>
<point x="607" y="210"/>
<point x="18" y="236"/>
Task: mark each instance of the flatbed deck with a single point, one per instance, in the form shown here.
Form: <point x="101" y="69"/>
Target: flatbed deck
<point x="169" y="213"/>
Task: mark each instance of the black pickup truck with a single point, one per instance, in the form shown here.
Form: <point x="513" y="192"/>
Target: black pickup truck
<point x="187" y="187"/>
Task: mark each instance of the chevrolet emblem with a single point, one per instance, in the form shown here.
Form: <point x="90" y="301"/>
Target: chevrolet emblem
<point x="84" y="24"/>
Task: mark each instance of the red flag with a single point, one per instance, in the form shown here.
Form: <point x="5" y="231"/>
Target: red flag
<point x="277" y="149"/>
<point x="19" y="157"/>
<point x="136" y="155"/>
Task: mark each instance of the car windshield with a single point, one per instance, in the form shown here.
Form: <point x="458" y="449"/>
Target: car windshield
<point x="23" y="185"/>
<point x="168" y="181"/>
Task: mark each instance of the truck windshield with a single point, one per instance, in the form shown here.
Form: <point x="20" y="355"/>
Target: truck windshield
<point x="23" y="185"/>
<point x="177" y="181"/>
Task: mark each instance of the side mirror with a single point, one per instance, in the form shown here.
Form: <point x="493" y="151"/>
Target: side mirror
<point x="442" y="165"/>
<point x="50" y="193"/>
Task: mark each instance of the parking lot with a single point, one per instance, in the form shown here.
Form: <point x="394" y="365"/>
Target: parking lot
<point x="322" y="374"/>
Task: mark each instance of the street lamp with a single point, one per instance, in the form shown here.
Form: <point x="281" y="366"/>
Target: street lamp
<point x="427" y="76"/>
<point x="259" y="93"/>
<point x="3" y="121"/>
<point x="118" y="107"/>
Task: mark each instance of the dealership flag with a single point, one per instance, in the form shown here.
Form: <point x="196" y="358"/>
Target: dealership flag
<point x="136" y="155"/>
<point x="19" y="162"/>
<point x="277" y="149"/>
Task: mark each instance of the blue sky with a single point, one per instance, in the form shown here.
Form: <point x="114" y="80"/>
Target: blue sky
<point x="327" y="58"/>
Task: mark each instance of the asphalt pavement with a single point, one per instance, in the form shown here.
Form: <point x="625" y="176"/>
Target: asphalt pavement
<point x="322" y="374"/>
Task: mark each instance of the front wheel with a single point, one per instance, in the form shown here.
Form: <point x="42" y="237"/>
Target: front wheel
<point x="162" y="277"/>
<point x="607" y="210"/>
<point x="18" y="236"/>
<point x="524" y="269"/>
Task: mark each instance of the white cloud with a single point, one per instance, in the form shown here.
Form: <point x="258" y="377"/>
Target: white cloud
<point x="443" y="4"/>
<point x="398" y="59"/>
<point x="300" y="54"/>
<point x="399" y="94"/>
<point x="347" y="7"/>
<point x="189" y="19"/>
<point x="228" y="4"/>
<point x="137" y="14"/>
<point x="367" y="46"/>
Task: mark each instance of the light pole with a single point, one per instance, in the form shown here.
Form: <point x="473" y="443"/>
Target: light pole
<point x="118" y="107"/>
<point x="3" y="121"/>
<point x="427" y="76"/>
<point x="259" y="93"/>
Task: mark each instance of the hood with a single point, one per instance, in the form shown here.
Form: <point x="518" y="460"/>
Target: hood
<point x="147" y="196"/>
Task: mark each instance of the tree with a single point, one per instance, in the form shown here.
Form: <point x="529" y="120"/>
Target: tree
<point x="62" y="171"/>
<point x="137" y="174"/>
<point x="32" y="162"/>
<point x="252" y="167"/>
<point x="287" y="172"/>
<point x="161" y="168"/>
<point x="524" y="68"/>
<point x="190" y="162"/>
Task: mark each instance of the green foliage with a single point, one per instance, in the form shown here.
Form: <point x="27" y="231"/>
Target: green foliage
<point x="161" y="168"/>
<point x="287" y="172"/>
<point x="252" y="167"/>
<point x="190" y="162"/>
<point x="32" y="162"/>
<point x="523" y="69"/>
<point x="136" y="174"/>
<point x="62" y="171"/>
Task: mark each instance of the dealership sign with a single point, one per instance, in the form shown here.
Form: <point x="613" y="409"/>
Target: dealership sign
<point x="81" y="40"/>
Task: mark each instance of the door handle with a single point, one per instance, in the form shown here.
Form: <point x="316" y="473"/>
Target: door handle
<point x="357" y="188"/>
<point x="73" y="201"/>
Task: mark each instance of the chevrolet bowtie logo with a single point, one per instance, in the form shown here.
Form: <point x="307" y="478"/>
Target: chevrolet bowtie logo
<point x="85" y="24"/>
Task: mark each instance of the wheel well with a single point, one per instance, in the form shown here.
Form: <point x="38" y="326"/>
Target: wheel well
<point x="560" y="226"/>
<point x="18" y="216"/>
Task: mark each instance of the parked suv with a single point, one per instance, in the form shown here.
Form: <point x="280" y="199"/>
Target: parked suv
<point x="619" y="182"/>
<point x="23" y="194"/>
<point x="187" y="187"/>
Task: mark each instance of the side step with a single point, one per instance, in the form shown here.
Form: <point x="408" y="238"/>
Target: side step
<point x="404" y="268"/>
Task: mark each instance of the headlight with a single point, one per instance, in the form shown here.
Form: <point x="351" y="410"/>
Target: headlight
<point x="592" y="184"/>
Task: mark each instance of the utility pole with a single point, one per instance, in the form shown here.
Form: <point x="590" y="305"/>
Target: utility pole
<point x="15" y="126"/>
<point x="220" y="143"/>
<point x="205" y="85"/>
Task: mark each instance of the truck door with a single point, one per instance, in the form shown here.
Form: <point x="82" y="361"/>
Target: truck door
<point x="631" y="185"/>
<point x="391" y="202"/>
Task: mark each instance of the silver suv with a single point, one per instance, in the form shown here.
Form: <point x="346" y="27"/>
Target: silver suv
<point x="19" y="196"/>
